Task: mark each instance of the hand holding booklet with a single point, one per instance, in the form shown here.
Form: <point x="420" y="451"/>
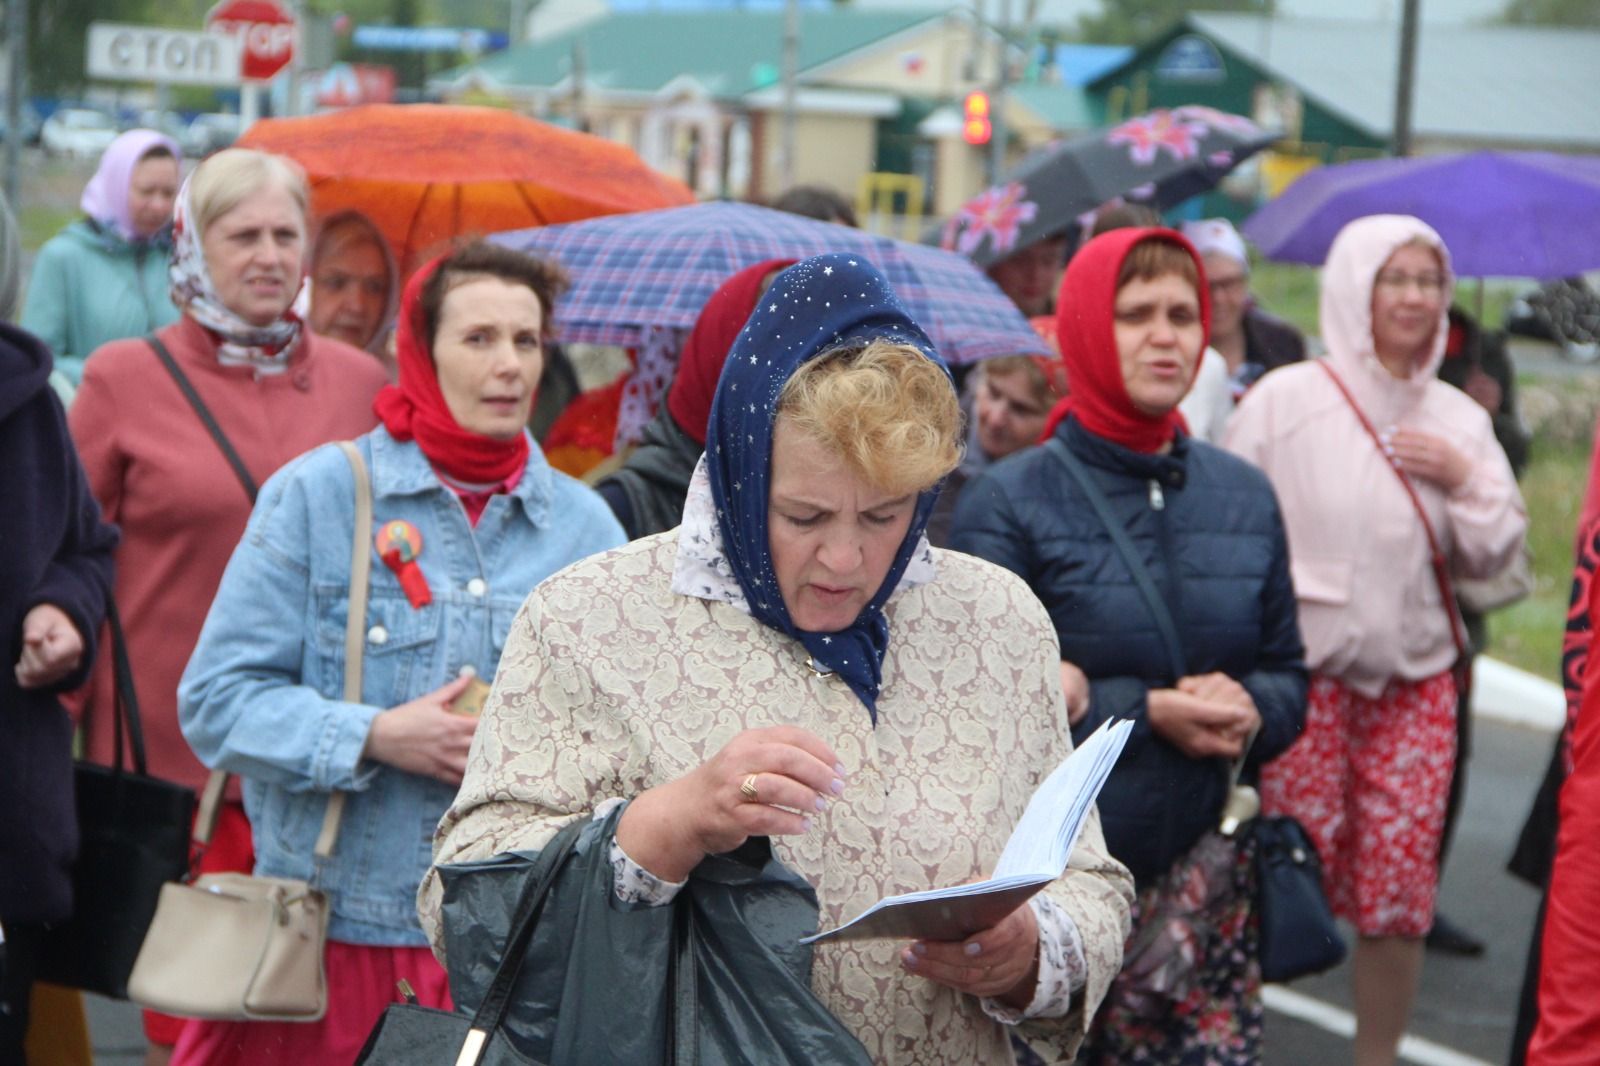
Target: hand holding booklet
<point x="1037" y="852"/>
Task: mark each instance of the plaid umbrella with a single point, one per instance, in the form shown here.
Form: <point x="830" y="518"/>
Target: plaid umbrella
<point x="635" y="273"/>
<point x="1161" y="158"/>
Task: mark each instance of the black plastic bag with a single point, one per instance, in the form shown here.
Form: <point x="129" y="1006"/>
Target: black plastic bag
<point x="717" y="977"/>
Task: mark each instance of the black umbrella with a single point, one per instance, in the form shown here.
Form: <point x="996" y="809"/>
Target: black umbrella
<point x="1161" y="158"/>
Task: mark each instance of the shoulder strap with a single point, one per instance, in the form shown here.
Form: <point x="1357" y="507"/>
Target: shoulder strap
<point x="355" y="622"/>
<point x="497" y="999"/>
<point x="124" y="699"/>
<point x="1130" y="556"/>
<point x="1441" y="565"/>
<point x="206" y="417"/>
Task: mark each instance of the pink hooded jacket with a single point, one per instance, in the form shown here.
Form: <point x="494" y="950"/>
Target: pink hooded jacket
<point x="1369" y="606"/>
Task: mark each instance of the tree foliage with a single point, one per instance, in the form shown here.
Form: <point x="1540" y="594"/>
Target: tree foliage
<point x="1553" y="12"/>
<point x="1136" y="21"/>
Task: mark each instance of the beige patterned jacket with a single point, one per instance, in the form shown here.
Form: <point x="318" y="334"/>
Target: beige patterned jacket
<point x="611" y="684"/>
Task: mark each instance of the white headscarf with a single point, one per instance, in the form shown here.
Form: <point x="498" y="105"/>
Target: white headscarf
<point x="266" y="348"/>
<point x="1216" y="236"/>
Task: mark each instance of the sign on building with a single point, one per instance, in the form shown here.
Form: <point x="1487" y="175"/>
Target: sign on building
<point x="126" y="52"/>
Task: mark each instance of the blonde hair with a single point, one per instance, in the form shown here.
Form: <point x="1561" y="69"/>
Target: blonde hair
<point x="885" y="408"/>
<point x="1005" y="366"/>
<point x="233" y="175"/>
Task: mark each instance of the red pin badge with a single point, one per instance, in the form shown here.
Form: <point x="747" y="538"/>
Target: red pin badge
<point x="399" y="544"/>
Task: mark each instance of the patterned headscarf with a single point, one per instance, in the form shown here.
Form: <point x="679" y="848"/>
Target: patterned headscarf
<point x="815" y="306"/>
<point x="266" y="348"/>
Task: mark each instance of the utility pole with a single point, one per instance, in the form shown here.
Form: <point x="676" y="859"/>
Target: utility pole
<point x="997" y="100"/>
<point x="16" y="85"/>
<point x="791" y="92"/>
<point x="1406" y="80"/>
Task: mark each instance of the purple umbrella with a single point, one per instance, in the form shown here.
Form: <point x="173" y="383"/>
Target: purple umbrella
<point x="1511" y="214"/>
<point x="651" y="270"/>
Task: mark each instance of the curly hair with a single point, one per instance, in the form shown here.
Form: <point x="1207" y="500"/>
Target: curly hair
<point x="883" y="407"/>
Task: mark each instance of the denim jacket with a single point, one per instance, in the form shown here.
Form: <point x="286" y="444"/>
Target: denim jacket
<point x="263" y="694"/>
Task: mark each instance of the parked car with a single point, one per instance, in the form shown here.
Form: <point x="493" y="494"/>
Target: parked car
<point x="77" y="131"/>
<point x="169" y="122"/>
<point x="30" y="123"/>
<point x="210" y="133"/>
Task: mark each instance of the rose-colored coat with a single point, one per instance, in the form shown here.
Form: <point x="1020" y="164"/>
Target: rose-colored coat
<point x="157" y="473"/>
<point x="1370" y="609"/>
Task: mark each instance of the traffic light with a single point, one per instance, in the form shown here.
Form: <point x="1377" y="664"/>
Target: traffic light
<point x="975" y="128"/>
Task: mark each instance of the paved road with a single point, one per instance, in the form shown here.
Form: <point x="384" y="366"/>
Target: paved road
<point x="1466" y="1005"/>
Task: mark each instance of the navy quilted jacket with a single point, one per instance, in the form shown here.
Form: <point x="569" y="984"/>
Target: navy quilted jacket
<point x="1207" y="526"/>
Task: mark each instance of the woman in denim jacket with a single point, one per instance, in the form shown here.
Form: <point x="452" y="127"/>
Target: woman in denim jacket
<point x="469" y="518"/>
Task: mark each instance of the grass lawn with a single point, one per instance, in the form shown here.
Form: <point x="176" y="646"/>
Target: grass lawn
<point x="1528" y="634"/>
<point x="35" y="225"/>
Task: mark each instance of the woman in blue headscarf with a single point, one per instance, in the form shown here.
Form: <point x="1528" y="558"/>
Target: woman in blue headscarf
<point x="794" y="661"/>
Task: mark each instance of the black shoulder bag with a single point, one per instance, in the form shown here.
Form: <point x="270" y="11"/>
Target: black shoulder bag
<point x="1298" y="934"/>
<point x="133" y="838"/>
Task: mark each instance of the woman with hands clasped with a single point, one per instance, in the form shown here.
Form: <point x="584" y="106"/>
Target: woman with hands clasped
<point x="467" y="518"/>
<point x="1205" y="527"/>
<point x="1370" y="777"/>
<point x="794" y="661"/>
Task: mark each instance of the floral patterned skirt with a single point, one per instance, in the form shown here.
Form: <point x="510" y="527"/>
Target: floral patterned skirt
<point x="1217" y="1022"/>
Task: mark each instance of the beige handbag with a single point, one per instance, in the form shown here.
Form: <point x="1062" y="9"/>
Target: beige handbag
<point x="236" y="947"/>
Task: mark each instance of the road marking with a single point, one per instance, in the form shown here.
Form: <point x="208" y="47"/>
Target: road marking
<point x="1340" y="1022"/>
<point x="1516" y="697"/>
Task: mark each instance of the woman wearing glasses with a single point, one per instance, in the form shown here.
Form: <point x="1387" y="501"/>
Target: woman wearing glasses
<point x="1374" y="460"/>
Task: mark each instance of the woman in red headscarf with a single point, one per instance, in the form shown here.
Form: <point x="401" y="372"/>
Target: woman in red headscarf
<point x="647" y="491"/>
<point x="468" y="518"/>
<point x="1223" y="683"/>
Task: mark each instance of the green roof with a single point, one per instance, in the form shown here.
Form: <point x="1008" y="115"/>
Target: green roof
<point x="1062" y="107"/>
<point x="730" y="53"/>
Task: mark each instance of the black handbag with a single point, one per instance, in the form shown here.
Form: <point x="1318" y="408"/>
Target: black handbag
<point x="408" y="1034"/>
<point x="133" y="838"/>
<point x="1298" y="934"/>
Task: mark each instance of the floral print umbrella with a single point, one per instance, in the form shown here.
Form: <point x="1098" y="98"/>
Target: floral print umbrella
<point x="1161" y="158"/>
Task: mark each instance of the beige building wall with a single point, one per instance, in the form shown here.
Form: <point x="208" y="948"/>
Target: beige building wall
<point x="831" y="150"/>
<point x="931" y="63"/>
<point x="960" y="173"/>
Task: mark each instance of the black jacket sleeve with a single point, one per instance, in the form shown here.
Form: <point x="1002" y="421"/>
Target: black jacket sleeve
<point x="78" y="578"/>
<point x="986" y="525"/>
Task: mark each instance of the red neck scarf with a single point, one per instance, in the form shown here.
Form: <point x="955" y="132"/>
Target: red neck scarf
<point x="719" y="324"/>
<point x="415" y="409"/>
<point x="1086" y="331"/>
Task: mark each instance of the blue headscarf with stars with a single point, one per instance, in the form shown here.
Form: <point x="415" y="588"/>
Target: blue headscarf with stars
<point x="817" y="305"/>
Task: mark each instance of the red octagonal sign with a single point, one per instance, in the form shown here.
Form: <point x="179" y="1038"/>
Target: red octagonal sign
<point x="266" y="32"/>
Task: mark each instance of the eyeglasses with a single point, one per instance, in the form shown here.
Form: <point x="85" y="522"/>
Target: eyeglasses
<point x="1427" y="284"/>
<point x="1235" y="284"/>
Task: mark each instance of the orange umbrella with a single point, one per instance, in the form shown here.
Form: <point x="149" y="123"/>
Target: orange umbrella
<point x="425" y="173"/>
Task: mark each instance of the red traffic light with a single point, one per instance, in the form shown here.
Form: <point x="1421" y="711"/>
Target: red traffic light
<point x="975" y="128"/>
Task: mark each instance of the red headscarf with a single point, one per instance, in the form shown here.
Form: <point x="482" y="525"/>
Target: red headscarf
<point x="1085" y="329"/>
<point x="415" y="409"/>
<point x="700" y="364"/>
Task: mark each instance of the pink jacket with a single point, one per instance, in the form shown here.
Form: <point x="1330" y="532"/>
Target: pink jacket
<point x="1370" y="610"/>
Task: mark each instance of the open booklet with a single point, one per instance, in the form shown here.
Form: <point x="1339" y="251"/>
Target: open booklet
<point x="1035" y="855"/>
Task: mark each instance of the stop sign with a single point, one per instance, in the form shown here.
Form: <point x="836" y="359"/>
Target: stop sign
<point x="266" y="32"/>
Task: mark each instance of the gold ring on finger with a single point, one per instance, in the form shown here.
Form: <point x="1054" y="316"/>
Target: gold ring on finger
<point x="748" y="789"/>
